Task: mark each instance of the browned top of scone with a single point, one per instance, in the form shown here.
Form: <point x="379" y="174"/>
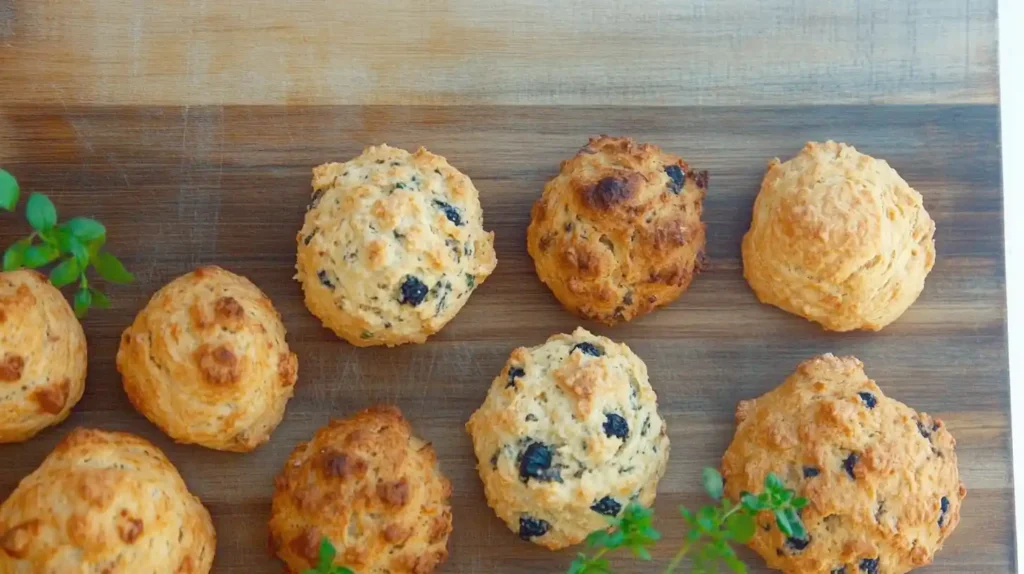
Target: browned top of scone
<point x="617" y="233"/>
<point x="881" y="479"/>
<point x="370" y="487"/>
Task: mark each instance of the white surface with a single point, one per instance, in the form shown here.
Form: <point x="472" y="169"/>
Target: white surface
<point x="1011" y="61"/>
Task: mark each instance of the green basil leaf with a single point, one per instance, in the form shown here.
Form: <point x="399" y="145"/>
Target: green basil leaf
<point x="79" y="250"/>
<point x="741" y="525"/>
<point x="65" y="273"/>
<point x="735" y="564"/>
<point x="37" y="256"/>
<point x="772" y="483"/>
<point x="14" y="256"/>
<point x="713" y="482"/>
<point x="799" y="503"/>
<point x="327" y="554"/>
<point x="40" y="212"/>
<point x="83" y="300"/>
<point x="9" y="191"/>
<point x="783" y="522"/>
<point x="86" y="229"/>
<point x="750" y="502"/>
<point x="99" y="299"/>
<point x="111" y="268"/>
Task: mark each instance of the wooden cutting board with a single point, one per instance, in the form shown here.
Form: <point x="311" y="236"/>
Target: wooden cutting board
<point x="190" y="129"/>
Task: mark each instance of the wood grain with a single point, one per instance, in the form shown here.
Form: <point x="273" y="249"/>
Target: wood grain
<point x="183" y="185"/>
<point x="533" y="52"/>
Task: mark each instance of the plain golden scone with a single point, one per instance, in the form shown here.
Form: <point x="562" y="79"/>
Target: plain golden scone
<point x="207" y="361"/>
<point x="839" y="238"/>
<point x="392" y="246"/>
<point x="105" y="503"/>
<point x="881" y="478"/>
<point x="618" y="232"/>
<point x="42" y="356"/>
<point x="568" y="436"/>
<point x="370" y="487"/>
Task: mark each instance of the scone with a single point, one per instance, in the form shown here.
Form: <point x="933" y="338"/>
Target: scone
<point x="618" y="232"/>
<point x="105" y="503"/>
<point x="370" y="487"/>
<point x="568" y="436"/>
<point x="882" y="479"/>
<point x="207" y="361"/>
<point x="392" y="246"/>
<point x="838" y="238"/>
<point x="42" y="356"/>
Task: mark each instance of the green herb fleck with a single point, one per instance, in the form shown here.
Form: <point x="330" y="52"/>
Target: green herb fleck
<point x="325" y="562"/>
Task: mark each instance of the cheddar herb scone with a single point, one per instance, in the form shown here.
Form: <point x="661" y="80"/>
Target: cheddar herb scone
<point x="839" y="238"/>
<point x="568" y="436"/>
<point x="207" y="361"/>
<point x="392" y="246"/>
<point x="370" y="487"/>
<point x="42" y="356"/>
<point x="618" y="232"/>
<point x="881" y="478"/>
<point x="105" y="503"/>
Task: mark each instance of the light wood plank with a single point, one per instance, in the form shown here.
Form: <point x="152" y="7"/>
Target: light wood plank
<point x="455" y="52"/>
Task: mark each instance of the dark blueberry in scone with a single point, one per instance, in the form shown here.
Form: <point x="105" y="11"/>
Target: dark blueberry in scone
<point x="413" y="291"/>
<point x="840" y="570"/>
<point x="451" y="212"/>
<point x="869" y="566"/>
<point x="513" y="374"/>
<point x="944" y="507"/>
<point x="587" y="349"/>
<point x="677" y="178"/>
<point x="797" y="544"/>
<point x="869" y="399"/>
<point x="536" y="463"/>
<point x="850" y="463"/>
<point x="811" y="472"/>
<point x="324" y="279"/>
<point x="530" y="527"/>
<point x="615" y="426"/>
<point x="607" y="506"/>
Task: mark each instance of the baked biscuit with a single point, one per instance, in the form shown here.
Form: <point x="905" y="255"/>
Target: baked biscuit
<point x="392" y="246"/>
<point x="42" y="356"/>
<point x="882" y="479"/>
<point x="568" y="436"/>
<point x="207" y="361"/>
<point x="105" y="503"/>
<point x="370" y="487"/>
<point x="617" y="233"/>
<point x="839" y="238"/>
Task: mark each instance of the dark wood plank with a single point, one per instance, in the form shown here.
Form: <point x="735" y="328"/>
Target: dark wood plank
<point x="180" y="186"/>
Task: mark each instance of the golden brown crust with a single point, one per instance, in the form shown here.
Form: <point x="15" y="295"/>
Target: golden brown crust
<point x="208" y="363"/>
<point x="838" y="237"/>
<point x="42" y="356"/>
<point x="618" y="232"/>
<point x="372" y="488"/>
<point x="392" y="246"/>
<point x="569" y="434"/>
<point x="105" y="503"/>
<point x="882" y="479"/>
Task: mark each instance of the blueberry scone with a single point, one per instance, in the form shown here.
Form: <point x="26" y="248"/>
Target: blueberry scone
<point x="105" y="503"/>
<point x="618" y="232"/>
<point x="206" y="361"/>
<point x="881" y="478"/>
<point x="568" y="436"/>
<point x="839" y="238"/>
<point x="392" y="246"/>
<point x="372" y="489"/>
<point x="42" y="356"/>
